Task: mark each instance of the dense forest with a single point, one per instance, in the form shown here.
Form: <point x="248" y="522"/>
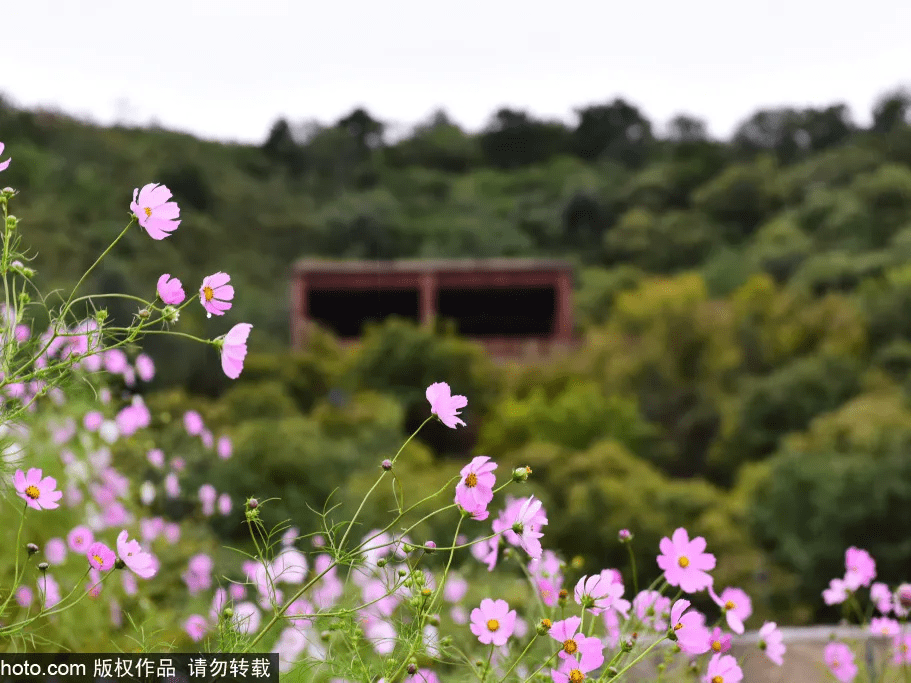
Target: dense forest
<point x="745" y="307"/>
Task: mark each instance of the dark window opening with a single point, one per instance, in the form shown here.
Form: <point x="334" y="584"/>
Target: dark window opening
<point x="513" y="312"/>
<point x="346" y="311"/>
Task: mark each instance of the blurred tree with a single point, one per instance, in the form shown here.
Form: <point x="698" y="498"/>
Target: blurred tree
<point x="617" y="131"/>
<point x="513" y="139"/>
<point x="892" y="111"/>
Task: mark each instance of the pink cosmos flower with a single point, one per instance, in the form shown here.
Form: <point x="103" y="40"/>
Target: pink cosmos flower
<point x="570" y="671"/>
<point x="685" y="563"/>
<point x="423" y="676"/>
<point x="170" y="290"/>
<point x="234" y="349"/>
<point x="24" y="596"/>
<point x="224" y="504"/>
<point x="861" y="569"/>
<point x="39" y="493"/>
<point x="156" y="457"/>
<point x="55" y="551"/>
<point x="840" y="660"/>
<point x="215" y="294"/>
<point x="736" y="605"/>
<point x="100" y="556"/>
<point x="4" y="164"/>
<point x="771" y="640"/>
<point x="882" y="597"/>
<point x="172" y="485"/>
<point x="444" y="405"/>
<point x="719" y="641"/>
<point x="80" y="538"/>
<point x="206" y="438"/>
<point x="49" y="590"/>
<point x="597" y="593"/>
<point x="883" y="626"/>
<point x="723" y="669"/>
<point x="196" y="627"/>
<point x="475" y="489"/>
<point x="155" y="213"/>
<point x="92" y="420"/>
<point x="901" y="646"/>
<point x="193" y="423"/>
<point x="576" y="643"/>
<point x="692" y="635"/>
<point x="208" y="496"/>
<point x="652" y="609"/>
<point x="140" y="562"/>
<point x="493" y="622"/>
<point x="524" y="531"/>
<point x="145" y="367"/>
<point x="224" y="447"/>
<point x="836" y="593"/>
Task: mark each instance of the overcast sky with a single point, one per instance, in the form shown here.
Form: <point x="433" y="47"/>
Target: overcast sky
<point x="227" y="69"/>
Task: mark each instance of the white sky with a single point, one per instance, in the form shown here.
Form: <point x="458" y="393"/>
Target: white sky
<point x="227" y="69"/>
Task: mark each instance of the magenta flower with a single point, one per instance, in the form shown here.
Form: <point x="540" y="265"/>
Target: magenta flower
<point x="570" y="671"/>
<point x="719" y="641"/>
<point x="224" y="447"/>
<point x="234" y="349"/>
<point x="444" y="405"/>
<point x="771" y="641"/>
<point x="736" y="605"/>
<point x="39" y="493"/>
<point x="493" y="622"/>
<point x="861" y="569"/>
<point x="140" y="562"/>
<point x="883" y="626"/>
<point x="576" y="643"/>
<point x="524" y="532"/>
<point x="685" y="563"/>
<point x="215" y="293"/>
<point x="836" y="593"/>
<point x="170" y="290"/>
<point x="55" y="551"/>
<point x="155" y="213"/>
<point x="24" y="596"/>
<point x="692" y="635"/>
<point x="196" y="627"/>
<point x="597" y="593"/>
<point x="145" y="367"/>
<point x="652" y="609"/>
<point x="4" y="164"/>
<point x="901" y="646"/>
<point x="840" y="660"/>
<point x="423" y="676"/>
<point x="80" y="538"/>
<point x="882" y="597"/>
<point x="100" y="556"/>
<point x="723" y="669"/>
<point x="475" y="489"/>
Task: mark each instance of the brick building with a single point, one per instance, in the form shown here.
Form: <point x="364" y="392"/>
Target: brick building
<point x="515" y="307"/>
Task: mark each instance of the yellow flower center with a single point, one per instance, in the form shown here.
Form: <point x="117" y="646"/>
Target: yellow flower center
<point x="678" y="626"/>
<point x="471" y="480"/>
<point x="493" y="625"/>
<point x="208" y="293"/>
<point x="717" y="679"/>
<point x="835" y="664"/>
<point x="32" y="492"/>
<point x="99" y="560"/>
<point x="576" y="676"/>
<point x="564" y="593"/>
<point x="546" y="623"/>
<point x="684" y="562"/>
<point x="148" y="212"/>
<point x="716" y="645"/>
<point x="570" y="647"/>
<point x="729" y="604"/>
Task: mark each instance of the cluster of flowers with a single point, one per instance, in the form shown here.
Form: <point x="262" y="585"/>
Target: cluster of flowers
<point x="893" y="607"/>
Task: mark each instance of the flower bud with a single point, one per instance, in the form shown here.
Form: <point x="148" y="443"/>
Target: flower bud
<point x="144" y="314"/>
<point x="11" y="222"/>
<point x="227" y="613"/>
<point x="624" y="536"/>
<point x="612" y="672"/>
<point x="403" y="572"/>
<point x="381" y="562"/>
<point x="22" y="269"/>
<point x="170" y="314"/>
<point x="426" y="592"/>
<point x="578" y="562"/>
<point x="433" y="619"/>
<point x="252" y="503"/>
<point x="430" y="547"/>
<point x="903" y="595"/>
<point x="119" y="564"/>
<point x="387" y="464"/>
<point x="543" y="627"/>
<point x="325" y="635"/>
<point x="101" y="315"/>
<point x="7" y="192"/>
<point x="43" y="566"/>
<point x="412" y="668"/>
<point x="520" y="474"/>
<point x="32" y="548"/>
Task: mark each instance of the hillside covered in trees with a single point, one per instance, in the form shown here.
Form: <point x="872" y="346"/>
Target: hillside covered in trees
<point x="746" y="306"/>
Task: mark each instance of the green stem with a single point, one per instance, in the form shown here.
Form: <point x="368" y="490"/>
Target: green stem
<point x="638" y="659"/>
<point x="519" y="658"/>
<point x="632" y="561"/>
